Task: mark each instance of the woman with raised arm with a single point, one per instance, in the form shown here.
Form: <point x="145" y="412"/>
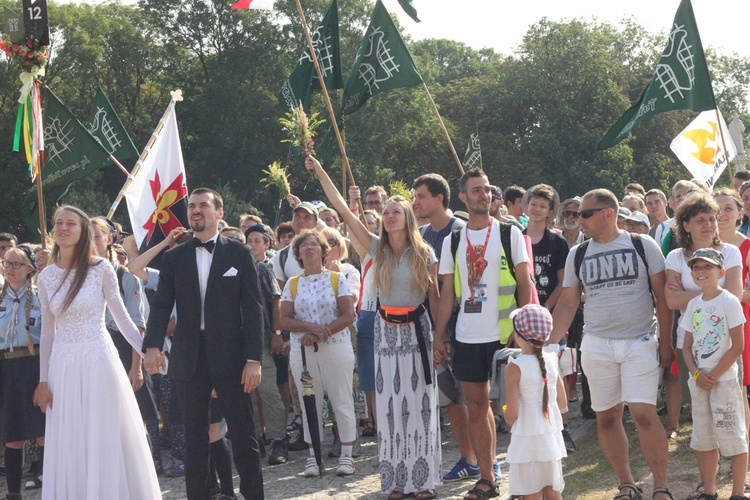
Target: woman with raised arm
<point x="95" y="444"/>
<point x="405" y="276"/>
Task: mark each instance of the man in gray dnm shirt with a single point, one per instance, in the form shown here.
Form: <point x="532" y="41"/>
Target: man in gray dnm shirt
<point x="619" y="350"/>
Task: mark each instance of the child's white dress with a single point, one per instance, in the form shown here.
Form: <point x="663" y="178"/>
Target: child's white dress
<point x="536" y="446"/>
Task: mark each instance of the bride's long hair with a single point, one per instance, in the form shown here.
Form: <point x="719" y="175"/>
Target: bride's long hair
<point x="83" y="254"/>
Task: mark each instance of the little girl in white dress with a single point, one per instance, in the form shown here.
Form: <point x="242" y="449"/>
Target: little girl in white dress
<point x="535" y="394"/>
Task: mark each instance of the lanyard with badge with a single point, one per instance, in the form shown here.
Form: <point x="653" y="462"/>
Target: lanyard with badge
<point x="478" y="290"/>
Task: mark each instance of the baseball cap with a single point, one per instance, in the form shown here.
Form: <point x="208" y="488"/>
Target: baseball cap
<point x="639" y="217"/>
<point x="496" y="192"/>
<point x="709" y="255"/>
<point x="623" y="212"/>
<point x="533" y="323"/>
<point x="258" y="228"/>
<point x="307" y="207"/>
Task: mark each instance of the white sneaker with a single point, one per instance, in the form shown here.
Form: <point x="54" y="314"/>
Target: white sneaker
<point x="346" y="466"/>
<point x="311" y="468"/>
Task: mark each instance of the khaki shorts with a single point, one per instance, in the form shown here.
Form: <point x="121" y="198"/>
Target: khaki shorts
<point x="620" y="370"/>
<point x="718" y="418"/>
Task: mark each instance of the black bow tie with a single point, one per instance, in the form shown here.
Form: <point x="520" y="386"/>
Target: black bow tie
<point x="209" y="245"/>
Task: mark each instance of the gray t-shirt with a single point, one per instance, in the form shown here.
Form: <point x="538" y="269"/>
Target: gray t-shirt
<point x="404" y="291"/>
<point x="618" y="302"/>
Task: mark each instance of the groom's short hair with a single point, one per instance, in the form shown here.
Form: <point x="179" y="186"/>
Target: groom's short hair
<point x="218" y="200"/>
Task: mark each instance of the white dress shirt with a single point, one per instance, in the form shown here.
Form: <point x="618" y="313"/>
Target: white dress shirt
<point x="203" y="259"/>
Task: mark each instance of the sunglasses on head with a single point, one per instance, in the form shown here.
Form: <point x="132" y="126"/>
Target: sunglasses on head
<point x="585" y="214"/>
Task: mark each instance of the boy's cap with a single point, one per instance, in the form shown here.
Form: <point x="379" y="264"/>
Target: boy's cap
<point x="307" y="207"/>
<point x="709" y="255"/>
<point x="639" y="217"/>
<point x="257" y="228"/>
<point x="533" y="323"/>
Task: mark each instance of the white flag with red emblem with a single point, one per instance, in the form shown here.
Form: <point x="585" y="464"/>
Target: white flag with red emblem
<point x="701" y="149"/>
<point x="253" y="4"/>
<point x="157" y="196"/>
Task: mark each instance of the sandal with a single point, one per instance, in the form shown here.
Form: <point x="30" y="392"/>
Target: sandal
<point x="706" y="496"/>
<point x="369" y="430"/>
<point x="664" y="491"/>
<point x="633" y="492"/>
<point x="738" y="497"/>
<point x="672" y="434"/>
<point x="696" y="493"/>
<point x="480" y="494"/>
<point x="397" y="495"/>
<point x="426" y="495"/>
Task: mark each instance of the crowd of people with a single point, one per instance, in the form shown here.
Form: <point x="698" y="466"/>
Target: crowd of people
<point x="383" y="317"/>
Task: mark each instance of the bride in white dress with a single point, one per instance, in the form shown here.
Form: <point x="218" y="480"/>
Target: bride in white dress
<point x="95" y="443"/>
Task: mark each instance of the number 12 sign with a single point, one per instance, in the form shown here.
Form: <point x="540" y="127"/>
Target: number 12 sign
<point x="35" y="20"/>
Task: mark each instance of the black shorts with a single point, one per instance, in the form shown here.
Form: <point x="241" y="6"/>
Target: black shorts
<point x="473" y="362"/>
<point x="282" y="368"/>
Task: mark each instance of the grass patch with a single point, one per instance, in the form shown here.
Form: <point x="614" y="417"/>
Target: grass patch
<point x="588" y="475"/>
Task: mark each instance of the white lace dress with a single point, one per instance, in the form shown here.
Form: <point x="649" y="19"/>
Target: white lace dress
<point x="95" y="442"/>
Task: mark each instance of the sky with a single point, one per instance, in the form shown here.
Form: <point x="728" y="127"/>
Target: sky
<point x="501" y="25"/>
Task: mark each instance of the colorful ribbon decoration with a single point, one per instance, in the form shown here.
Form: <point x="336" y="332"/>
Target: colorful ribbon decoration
<point x="29" y="120"/>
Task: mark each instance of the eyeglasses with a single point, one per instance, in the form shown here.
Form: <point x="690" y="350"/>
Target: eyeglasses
<point x="14" y="265"/>
<point x="375" y="203"/>
<point x="310" y="244"/>
<point x="332" y="242"/>
<point x="569" y="213"/>
<point x="585" y="214"/>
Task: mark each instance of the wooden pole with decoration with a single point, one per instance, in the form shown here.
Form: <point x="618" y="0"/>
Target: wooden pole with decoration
<point x="445" y="130"/>
<point x="724" y="144"/>
<point x="339" y="139"/>
<point x="176" y="97"/>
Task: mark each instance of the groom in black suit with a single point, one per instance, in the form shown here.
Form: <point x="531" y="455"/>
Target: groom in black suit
<point x="216" y="344"/>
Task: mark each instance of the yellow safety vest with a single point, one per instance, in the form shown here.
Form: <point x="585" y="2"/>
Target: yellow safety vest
<point x="506" y="292"/>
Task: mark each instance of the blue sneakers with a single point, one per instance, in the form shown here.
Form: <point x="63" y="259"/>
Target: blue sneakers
<point x="496" y="470"/>
<point x="461" y="471"/>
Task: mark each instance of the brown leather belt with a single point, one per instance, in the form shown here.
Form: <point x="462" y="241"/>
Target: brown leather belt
<point x="18" y="352"/>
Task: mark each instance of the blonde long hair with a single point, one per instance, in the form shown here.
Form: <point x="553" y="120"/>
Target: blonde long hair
<point x="419" y="258"/>
<point x="83" y="253"/>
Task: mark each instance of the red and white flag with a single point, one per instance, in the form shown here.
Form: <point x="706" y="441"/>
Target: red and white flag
<point x="701" y="149"/>
<point x="157" y="196"/>
<point x="253" y="4"/>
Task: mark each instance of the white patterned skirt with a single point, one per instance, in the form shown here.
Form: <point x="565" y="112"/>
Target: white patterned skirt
<point x="408" y="415"/>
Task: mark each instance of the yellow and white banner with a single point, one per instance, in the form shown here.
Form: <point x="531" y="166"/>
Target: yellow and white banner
<point x="700" y="147"/>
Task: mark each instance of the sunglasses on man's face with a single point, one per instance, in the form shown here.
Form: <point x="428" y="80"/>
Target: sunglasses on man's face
<point x="569" y="213"/>
<point x="585" y="214"/>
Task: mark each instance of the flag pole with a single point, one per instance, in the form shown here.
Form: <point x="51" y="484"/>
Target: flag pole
<point x="335" y="126"/>
<point x="445" y="130"/>
<point x="142" y="158"/>
<point x="119" y="165"/>
<point x="40" y="206"/>
<point x="724" y="144"/>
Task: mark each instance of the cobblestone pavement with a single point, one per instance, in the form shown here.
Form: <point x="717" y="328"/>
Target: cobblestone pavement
<point x="286" y="481"/>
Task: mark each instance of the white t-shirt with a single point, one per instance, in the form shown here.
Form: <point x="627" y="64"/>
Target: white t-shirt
<point x="316" y="303"/>
<point x="662" y="230"/>
<point x="291" y="267"/>
<point x="484" y="326"/>
<point x="710" y="321"/>
<point x="618" y="299"/>
<point x="676" y="262"/>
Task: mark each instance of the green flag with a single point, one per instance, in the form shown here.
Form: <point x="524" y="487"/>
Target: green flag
<point x="70" y="151"/>
<point x="681" y="79"/>
<point x="304" y="79"/>
<point x="383" y="63"/>
<point x="473" y="155"/>
<point x="13" y="26"/>
<point x="106" y="127"/>
<point x="409" y="9"/>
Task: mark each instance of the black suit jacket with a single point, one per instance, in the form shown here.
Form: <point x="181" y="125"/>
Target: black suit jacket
<point x="233" y="310"/>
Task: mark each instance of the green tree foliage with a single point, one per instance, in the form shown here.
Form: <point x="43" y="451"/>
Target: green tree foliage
<point x="540" y="111"/>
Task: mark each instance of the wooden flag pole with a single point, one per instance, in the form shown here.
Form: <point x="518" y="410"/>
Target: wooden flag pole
<point x="445" y="130"/>
<point x="724" y="144"/>
<point x="40" y="206"/>
<point x="119" y="165"/>
<point x="141" y="159"/>
<point x="335" y="125"/>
